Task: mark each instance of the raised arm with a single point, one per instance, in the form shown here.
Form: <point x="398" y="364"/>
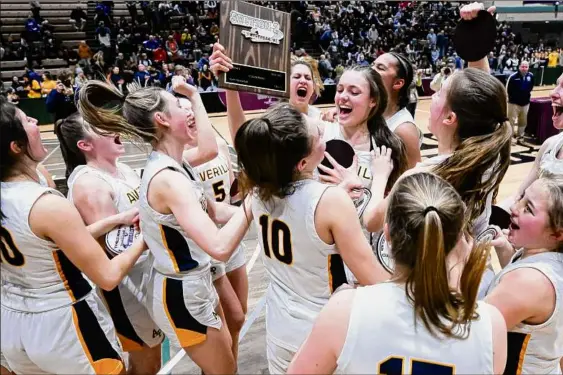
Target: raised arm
<point x="468" y="12"/>
<point x="176" y="193"/>
<point x="206" y="144"/>
<point x="220" y="63"/>
<point x="55" y="218"/>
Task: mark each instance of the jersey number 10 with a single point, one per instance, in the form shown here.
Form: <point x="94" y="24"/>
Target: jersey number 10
<point x="10" y="252"/>
<point x="271" y="232"/>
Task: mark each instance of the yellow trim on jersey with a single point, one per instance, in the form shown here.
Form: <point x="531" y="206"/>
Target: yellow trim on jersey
<point x="62" y="275"/>
<point x="101" y="366"/>
<point x="13" y="251"/>
<point x="402" y="358"/>
<point x="522" y="355"/>
<point x="170" y="254"/>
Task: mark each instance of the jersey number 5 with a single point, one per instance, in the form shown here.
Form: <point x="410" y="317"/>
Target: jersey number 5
<point x="219" y="191"/>
<point x="271" y="232"/>
<point x="394" y="365"/>
<point x="10" y="252"/>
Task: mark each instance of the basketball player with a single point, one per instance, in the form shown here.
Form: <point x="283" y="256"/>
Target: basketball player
<point x="414" y="323"/>
<point x="99" y="187"/>
<point x="397" y="74"/>
<point x="468" y="118"/>
<point x="306" y="228"/>
<point x="229" y="278"/>
<point x="550" y="155"/>
<point x="529" y="289"/>
<point x="177" y="221"/>
<point x="51" y="322"/>
<point x="305" y="82"/>
<point x="360" y="100"/>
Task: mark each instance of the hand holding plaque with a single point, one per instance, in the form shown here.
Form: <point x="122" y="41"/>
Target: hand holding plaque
<point x="254" y="49"/>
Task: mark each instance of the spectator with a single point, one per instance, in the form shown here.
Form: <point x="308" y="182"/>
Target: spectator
<point x="60" y="101"/>
<point x="205" y="78"/>
<point x="142" y="77"/>
<point x="32" y="86"/>
<point x="151" y="44"/>
<point x="84" y="54"/>
<point x="432" y="38"/>
<point x="12" y="96"/>
<point x="80" y="79"/>
<point x="115" y="78"/>
<point x="373" y="34"/>
<point x="17" y="85"/>
<point x="132" y="8"/>
<point x="519" y="87"/>
<point x="441" y="77"/>
<point x="144" y="60"/>
<point x="553" y="59"/>
<point x="48" y="84"/>
<point x="103" y="34"/>
<point x="78" y="18"/>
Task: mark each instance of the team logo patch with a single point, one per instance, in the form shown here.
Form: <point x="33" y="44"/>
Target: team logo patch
<point x="362" y="202"/>
<point x="487" y="235"/>
<point x="383" y="252"/>
<point x="121" y="238"/>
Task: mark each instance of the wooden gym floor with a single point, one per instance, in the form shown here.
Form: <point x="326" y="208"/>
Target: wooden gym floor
<point x="252" y="352"/>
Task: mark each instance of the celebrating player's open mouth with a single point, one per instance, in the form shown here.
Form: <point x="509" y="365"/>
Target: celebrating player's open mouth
<point x="344" y="111"/>
<point x="557" y="115"/>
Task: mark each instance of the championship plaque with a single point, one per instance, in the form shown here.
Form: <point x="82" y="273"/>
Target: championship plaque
<point x="257" y="39"/>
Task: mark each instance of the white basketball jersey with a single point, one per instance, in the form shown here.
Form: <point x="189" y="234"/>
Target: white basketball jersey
<point x="400" y="117"/>
<point x="385" y="338"/>
<point x="175" y="253"/>
<point x="332" y="131"/>
<point x="214" y="175"/>
<point x="125" y="190"/>
<point x="537" y="349"/>
<point x="36" y="275"/>
<point x="549" y="161"/>
<point x="303" y="269"/>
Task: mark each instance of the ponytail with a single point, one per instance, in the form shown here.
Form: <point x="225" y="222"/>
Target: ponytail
<point x="428" y="287"/>
<point x="477" y="167"/>
<point x="69" y="131"/>
<point x="425" y="218"/>
<point x="482" y="156"/>
<point x="104" y="106"/>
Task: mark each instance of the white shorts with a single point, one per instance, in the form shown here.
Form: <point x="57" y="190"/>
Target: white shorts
<point x="75" y="339"/>
<point x="133" y="323"/>
<point x="183" y="308"/>
<point x="220" y="269"/>
<point x="278" y="357"/>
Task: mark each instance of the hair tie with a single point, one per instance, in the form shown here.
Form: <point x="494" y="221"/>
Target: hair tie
<point x="428" y="209"/>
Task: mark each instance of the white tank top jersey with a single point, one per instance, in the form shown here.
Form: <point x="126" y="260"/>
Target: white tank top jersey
<point x="303" y="269"/>
<point x="401" y="117"/>
<point x="549" y="161"/>
<point x="176" y="255"/>
<point x="215" y="178"/>
<point x="36" y="275"/>
<point x="537" y="349"/>
<point x="384" y="338"/>
<point x="125" y="196"/>
<point x="332" y="131"/>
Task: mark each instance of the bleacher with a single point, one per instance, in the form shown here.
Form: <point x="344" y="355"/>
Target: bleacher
<point x="15" y="12"/>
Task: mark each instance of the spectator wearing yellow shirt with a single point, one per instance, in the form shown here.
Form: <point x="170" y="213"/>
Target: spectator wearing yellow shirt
<point x="48" y="84"/>
<point x="32" y="87"/>
<point x="553" y="59"/>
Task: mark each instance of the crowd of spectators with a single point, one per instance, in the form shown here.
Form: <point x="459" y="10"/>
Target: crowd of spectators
<point x="162" y="38"/>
